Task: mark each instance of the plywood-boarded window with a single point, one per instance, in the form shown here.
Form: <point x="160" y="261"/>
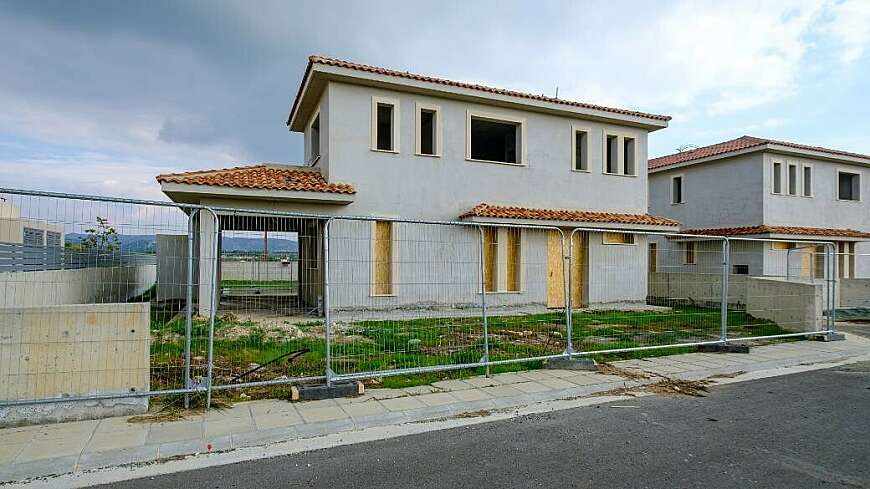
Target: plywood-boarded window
<point x="619" y="238"/>
<point x="689" y="248"/>
<point x="819" y="259"/>
<point x="653" y="257"/>
<point x="490" y="259"/>
<point x="846" y="259"/>
<point x="513" y="259"/>
<point x="382" y="259"/>
<point x="782" y="246"/>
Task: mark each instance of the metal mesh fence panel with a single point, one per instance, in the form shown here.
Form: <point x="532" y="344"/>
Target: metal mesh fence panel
<point x="779" y="287"/>
<point x="105" y="297"/>
<point x="642" y="290"/>
<point x="403" y="296"/>
<point x="94" y="298"/>
<point x="269" y="327"/>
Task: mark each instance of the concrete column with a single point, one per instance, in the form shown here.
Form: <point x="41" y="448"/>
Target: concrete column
<point x="206" y="232"/>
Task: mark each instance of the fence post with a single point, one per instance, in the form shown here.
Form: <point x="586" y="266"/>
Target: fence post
<point x="567" y="275"/>
<point x="832" y="287"/>
<point x="213" y="301"/>
<point x="327" y="319"/>
<point x="480" y="255"/>
<point x="723" y="306"/>
<point x="188" y="325"/>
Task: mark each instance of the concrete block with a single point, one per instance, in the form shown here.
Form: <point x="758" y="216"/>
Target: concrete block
<point x="724" y="348"/>
<point x="323" y="391"/>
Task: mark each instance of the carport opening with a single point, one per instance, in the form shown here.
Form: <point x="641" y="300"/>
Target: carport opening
<point x="270" y="269"/>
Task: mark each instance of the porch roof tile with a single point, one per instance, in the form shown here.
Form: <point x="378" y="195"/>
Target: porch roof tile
<point x="511" y="212"/>
<point x="786" y="230"/>
<point x="263" y="177"/>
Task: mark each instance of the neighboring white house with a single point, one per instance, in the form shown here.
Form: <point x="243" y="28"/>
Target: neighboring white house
<point x="753" y="187"/>
<point x="29" y="232"/>
<point x="391" y="144"/>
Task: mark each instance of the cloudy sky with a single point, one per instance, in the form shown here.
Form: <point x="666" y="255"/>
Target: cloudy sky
<point x="99" y="97"/>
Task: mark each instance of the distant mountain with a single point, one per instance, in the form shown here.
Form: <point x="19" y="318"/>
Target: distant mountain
<point x="135" y="243"/>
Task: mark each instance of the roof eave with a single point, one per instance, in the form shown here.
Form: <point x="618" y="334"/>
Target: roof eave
<point x="770" y="148"/>
<point x="317" y="74"/>
<point x="187" y="193"/>
<point x="591" y="226"/>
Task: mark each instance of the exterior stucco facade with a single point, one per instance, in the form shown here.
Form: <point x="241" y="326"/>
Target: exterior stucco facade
<point x="738" y="191"/>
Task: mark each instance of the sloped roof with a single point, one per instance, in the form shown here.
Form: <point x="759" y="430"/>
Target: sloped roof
<point x="509" y="212"/>
<point x="473" y="86"/>
<point x="262" y="177"/>
<point x="741" y="143"/>
<point x="787" y="230"/>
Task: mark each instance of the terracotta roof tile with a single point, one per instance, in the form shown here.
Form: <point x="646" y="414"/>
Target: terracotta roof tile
<point x="741" y="143"/>
<point x="789" y="230"/>
<point x="506" y="212"/>
<point x="483" y="88"/>
<point x="264" y="177"/>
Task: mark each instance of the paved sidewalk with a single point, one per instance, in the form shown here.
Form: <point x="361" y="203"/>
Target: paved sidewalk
<point x="36" y="451"/>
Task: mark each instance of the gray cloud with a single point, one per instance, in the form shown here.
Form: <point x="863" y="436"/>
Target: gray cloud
<point x="197" y="84"/>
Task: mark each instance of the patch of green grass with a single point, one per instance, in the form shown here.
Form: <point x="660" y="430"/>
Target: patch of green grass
<point x="372" y="346"/>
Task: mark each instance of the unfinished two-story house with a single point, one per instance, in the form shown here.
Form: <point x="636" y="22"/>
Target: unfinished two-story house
<point x="390" y="145"/>
<point x="754" y="187"/>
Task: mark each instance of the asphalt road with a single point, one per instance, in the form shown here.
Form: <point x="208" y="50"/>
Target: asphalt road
<point x="803" y="430"/>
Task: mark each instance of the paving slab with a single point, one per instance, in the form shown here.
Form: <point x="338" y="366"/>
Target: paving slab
<point x="437" y="399"/>
<point x="280" y="419"/>
<point x="471" y="395"/>
<point x="452" y="385"/>
<point x="159" y="433"/>
<point x="52" y="448"/>
<point x="361" y="409"/>
<point x="117" y="440"/>
<point x="402" y="403"/>
<point x="324" y="413"/>
<point x="227" y="426"/>
<point x="94" y="460"/>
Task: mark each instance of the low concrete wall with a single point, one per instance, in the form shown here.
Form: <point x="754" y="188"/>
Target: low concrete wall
<point x="854" y="292"/>
<point x="796" y="306"/>
<point x="70" y="350"/>
<point x="697" y="288"/>
<point x="258" y="270"/>
<point x="79" y="286"/>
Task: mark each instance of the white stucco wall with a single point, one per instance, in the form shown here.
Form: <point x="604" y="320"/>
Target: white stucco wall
<point x="720" y="193"/>
<point x="426" y="187"/>
<point x="438" y="266"/>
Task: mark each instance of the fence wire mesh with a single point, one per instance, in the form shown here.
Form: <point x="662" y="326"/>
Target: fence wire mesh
<point x="111" y="297"/>
<point x="93" y="298"/>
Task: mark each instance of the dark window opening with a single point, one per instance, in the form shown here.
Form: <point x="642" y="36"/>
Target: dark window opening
<point x="777" y="178"/>
<point x="315" y="138"/>
<point x="427" y="132"/>
<point x="808" y="181"/>
<point x="494" y="140"/>
<point x="628" y="155"/>
<point x="740" y="270"/>
<point x="612" y="154"/>
<point x="580" y="152"/>
<point x="792" y="179"/>
<point x="849" y="186"/>
<point x="385" y="127"/>
<point x="677" y="190"/>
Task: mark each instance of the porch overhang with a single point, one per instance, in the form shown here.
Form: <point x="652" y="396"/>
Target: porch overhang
<point x="785" y="233"/>
<point x="499" y="214"/>
<point x="194" y="194"/>
<point x="575" y="224"/>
